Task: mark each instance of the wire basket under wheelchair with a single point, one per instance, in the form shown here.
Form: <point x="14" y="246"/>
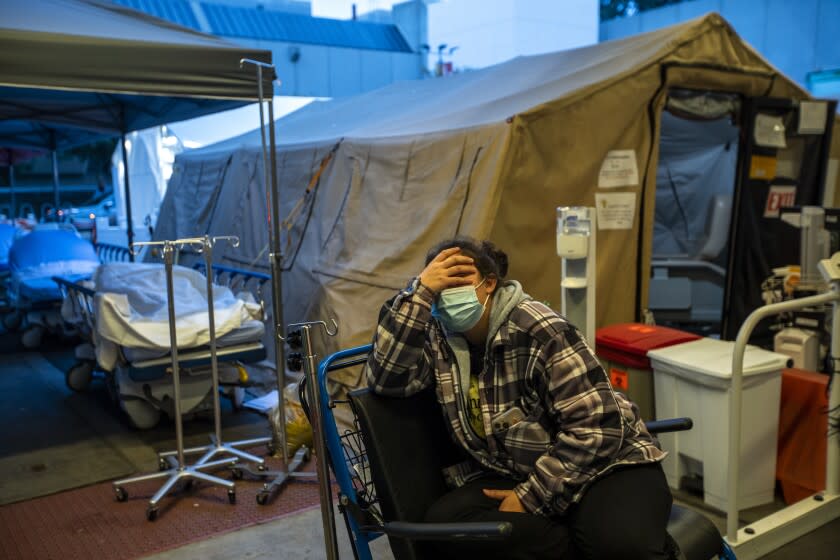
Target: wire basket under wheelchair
<point x="355" y="459"/>
<point x="354" y="464"/>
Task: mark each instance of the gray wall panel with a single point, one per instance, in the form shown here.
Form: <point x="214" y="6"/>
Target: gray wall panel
<point x="619" y="27"/>
<point x="795" y="36"/>
<point x="697" y="8"/>
<point x="749" y="18"/>
<point x="791" y="32"/>
<point x="346" y="73"/>
<point x="828" y="35"/>
<point x="657" y="19"/>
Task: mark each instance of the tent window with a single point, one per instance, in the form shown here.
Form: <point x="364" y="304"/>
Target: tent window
<point x="695" y="181"/>
<point x="706" y="105"/>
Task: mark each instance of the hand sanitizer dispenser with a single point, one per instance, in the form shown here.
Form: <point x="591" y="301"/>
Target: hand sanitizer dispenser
<point x="576" y="246"/>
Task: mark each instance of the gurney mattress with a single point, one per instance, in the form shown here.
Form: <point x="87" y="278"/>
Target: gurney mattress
<point x="250" y="331"/>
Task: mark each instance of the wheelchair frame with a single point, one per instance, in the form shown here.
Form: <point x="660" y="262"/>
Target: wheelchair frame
<point x="357" y="498"/>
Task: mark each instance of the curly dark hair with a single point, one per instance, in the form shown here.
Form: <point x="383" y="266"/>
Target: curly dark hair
<point x="489" y="259"/>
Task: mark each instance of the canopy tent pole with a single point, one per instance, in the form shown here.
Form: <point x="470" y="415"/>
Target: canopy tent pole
<point x="12" y="188"/>
<point x="56" y="199"/>
<point x="129" y="224"/>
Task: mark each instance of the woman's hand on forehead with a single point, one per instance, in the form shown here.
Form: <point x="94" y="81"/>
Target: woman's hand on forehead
<point x="449" y="269"/>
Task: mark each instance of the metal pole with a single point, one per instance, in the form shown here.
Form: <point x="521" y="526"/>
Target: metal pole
<point x="310" y="369"/>
<point x="275" y="255"/>
<point x="13" y="211"/>
<point x="737" y="384"/>
<point x="169" y="260"/>
<point x="277" y="277"/>
<point x="56" y="198"/>
<point x="211" y="316"/>
<point x="129" y="224"/>
<point x="832" y="464"/>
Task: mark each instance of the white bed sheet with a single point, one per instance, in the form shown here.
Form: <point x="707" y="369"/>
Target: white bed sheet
<point x="131" y="309"/>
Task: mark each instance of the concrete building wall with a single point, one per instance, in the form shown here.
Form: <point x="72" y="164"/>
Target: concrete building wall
<point x="797" y="37"/>
<point x="486" y="33"/>
<point x="320" y="71"/>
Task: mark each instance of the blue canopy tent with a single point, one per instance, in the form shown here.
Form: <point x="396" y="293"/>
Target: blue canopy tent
<point x="78" y="70"/>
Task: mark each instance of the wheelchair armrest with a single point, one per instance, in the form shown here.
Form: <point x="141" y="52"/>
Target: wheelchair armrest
<point x="448" y="531"/>
<point x="669" y="425"/>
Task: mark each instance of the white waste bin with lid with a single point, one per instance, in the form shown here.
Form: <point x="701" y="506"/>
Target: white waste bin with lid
<point x="694" y="379"/>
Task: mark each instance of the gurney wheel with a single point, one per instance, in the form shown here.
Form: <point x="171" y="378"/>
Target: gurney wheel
<point x="79" y="376"/>
<point x="141" y="414"/>
<point x="12" y="320"/>
<point x="152" y="513"/>
<point x="262" y="498"/>
<point x="122" y="495"/>
<point x="31" y="337"/>
<point x="232" y="496"/>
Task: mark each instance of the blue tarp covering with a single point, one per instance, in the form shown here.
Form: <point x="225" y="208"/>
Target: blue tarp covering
<point x="7" y="236"/>
<point x="35" y="258"/>
<point x="44" y="247"/>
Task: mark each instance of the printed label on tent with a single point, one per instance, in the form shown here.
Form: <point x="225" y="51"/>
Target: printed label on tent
<point x="762" y="167"/>
<point x="769" y="131"/>
<point x="619" y="379"/>
<point x="812" y="117"/>
<point x="779" y="196"/>
<point x="616" y="210"/>
<point x="618" y="169"/>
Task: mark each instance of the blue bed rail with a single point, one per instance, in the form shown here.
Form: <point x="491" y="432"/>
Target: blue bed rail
<point x="112" y="253"/>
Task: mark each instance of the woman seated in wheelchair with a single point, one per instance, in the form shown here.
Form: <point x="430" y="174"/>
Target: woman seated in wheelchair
<point x="551" y="447"/>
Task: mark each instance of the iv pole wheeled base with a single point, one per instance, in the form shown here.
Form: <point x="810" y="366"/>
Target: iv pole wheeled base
<point x="180" y="470"/>
<point x="217" y="446"/>
<point x="310" y="368"/>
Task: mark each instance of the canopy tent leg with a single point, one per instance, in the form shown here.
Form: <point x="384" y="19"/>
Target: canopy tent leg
<point x="56" y="199"/>
<point x="12" y="210"/>
<point x="129" y="224"/>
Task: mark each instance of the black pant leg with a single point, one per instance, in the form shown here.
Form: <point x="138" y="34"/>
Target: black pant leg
<point x="533" y="537"/>
<point x="623" y="516"/>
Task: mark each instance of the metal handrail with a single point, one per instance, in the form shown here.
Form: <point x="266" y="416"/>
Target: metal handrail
<point x="735" y="403"/>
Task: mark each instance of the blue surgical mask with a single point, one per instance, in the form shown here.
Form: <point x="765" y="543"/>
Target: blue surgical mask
<point x="458" y="309"/>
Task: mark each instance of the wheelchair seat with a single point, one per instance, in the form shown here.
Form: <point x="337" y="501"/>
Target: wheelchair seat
<point x="407" y="445"/>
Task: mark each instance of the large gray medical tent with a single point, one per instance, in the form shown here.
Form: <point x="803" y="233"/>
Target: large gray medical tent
<point x="369" y="183"/>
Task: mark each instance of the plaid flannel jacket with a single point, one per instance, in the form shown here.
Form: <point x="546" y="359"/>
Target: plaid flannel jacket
<point x="573" y="431"/>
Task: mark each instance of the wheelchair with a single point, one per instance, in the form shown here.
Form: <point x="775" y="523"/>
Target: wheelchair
<point x="386" y="488"/>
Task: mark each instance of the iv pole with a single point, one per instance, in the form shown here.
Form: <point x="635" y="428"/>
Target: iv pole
<point x="276" y="260"/>
<point x="275" y="254"/>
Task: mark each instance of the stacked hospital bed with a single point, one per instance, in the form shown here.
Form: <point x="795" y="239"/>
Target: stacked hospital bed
<point x="7" y="237"/>
<point x="122" y="310"/>
<point x="34" y="299"/>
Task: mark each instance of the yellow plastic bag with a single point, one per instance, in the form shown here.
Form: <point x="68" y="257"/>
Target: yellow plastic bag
<point x="298" y="429"/>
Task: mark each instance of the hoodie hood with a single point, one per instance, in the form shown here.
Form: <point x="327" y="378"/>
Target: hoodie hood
<point x="508" y="295"/>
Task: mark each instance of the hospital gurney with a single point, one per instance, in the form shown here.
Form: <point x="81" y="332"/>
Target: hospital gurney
<point x="386" y="487"/>
<point x="33" y="296"/>
<point x="7" y="237"/>
<point x="136" y="361"/>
